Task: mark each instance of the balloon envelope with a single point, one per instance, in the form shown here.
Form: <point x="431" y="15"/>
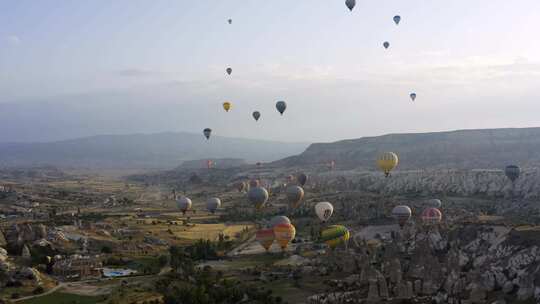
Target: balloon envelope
<point x="350" y="4"/>
<point x="294" y="194"/>
<point x="386" y="44"/>
<point x="324" y="210"/>
<point x="335" y="235"/>
<point x="284" y="233"/>
<point x="212" y="204"/>
<point x="387" y="161"/>
<point x="413" y="96"/>
<point x="402" y="213"/>
<point x="229" y="71"/>
<point x="281" y="106"/>
<point x="258" y="196"/>
<point x="279" y="219"/>
<point x="431" y="216"/>
<point x="256" y="115"/>
<point x="512" y="172"/>
<point x="230" y="21"/>
<point x="397" y="19"/>
<point x="265" y="237"/>
<point x="435" y="203"/>
<point x="227" y="106"/>
<point x="207" y="132"/>
<point x="184" y="204"/>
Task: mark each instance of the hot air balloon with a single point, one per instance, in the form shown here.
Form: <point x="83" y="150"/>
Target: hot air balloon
<point x="386" y="44"/>
<point x="302" y="179"/>
<point x="184" y="204"/>
<point x="279" y="219"/>
<point x="284" y="233"/>
<point x="212" y="204"/>
<point x="512" y="172"/>
<point x="256" y="115"/>
<point x="402" y="214"/>
<point x="435" y="203"/>
<point x="281" y="106"/>
<point x="230" y="21"/>
<point x="324" y="211"/>
<point x="332" y="165"/>
<point x="335" y="235"/>
<point x="209" y="164"/>
<point x="265" y="237"/>
<point x="413" y="96"/>
<point x="397" y="19"/>
<point x="226" y="106"/>
<point x="258" y="196"/>
<point x="229" y="71"/>
<point x="240" y="186"/>
<point x="431" y="216"/>
<point x="350" y="4"/>
<point x="207" y="132"/>
<point x="294" y="194"/>
<point x="387" y="161"/>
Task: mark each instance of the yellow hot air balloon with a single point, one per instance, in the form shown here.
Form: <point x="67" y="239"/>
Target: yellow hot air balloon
<point x="387" y="161"/>
<point x="335" y="235"/>
<point x="284" y="233"/>
<point x="226" y="106"/>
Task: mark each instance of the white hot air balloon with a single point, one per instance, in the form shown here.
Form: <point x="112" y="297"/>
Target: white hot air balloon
<point x="324" y="211"/>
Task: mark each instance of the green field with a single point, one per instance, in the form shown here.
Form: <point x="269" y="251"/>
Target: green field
<point x="64" y="298"/>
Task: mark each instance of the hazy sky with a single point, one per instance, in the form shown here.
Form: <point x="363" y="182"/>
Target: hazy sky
<point x="76" y="68"/>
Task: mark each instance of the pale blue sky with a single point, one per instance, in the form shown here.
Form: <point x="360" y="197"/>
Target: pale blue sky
<point x="75" y="68"/>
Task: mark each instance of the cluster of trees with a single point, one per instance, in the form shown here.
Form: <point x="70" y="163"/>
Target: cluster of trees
<point x="187" y="284"/>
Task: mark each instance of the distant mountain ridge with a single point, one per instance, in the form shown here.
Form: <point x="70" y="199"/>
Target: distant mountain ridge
<point x="462" y="149"/>
<point x="140" y="151"/>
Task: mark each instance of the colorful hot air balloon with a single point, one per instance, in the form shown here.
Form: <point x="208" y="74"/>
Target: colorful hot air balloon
<point x="229" y="71"/>
<point x="402" y="214"/>
<point x="335" y="235"/>
<point x="324" y="211"/>
<point x="397" y="19"/>
<point x="413" y="96"/>
<point x="207" y="132"/>
<point x="431" y="216"/>
<point x="294" y="194"/>
<point x="387" y="161"/>
<point x="350" y="4"/>
<point x="256" y="115"/>
<point x="265" y="237"/>
<point x="184" y="204"/>
<point x="212" y="204"/>
<point x="226" y="106"/>
<point x="258" y="196"/>
<point x="279" y="219"/>
<point x="284" y="233"/>
<point x="302" y="179"/>
<point x="435" y="203"/>
<point x="512" y="172"/>
<point x="386" y="44"/>
<point x="281" y="106"/>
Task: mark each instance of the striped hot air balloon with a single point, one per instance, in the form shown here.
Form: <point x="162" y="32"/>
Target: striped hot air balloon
<point x="431" y="216"/>
<point x="265" y="237"/>
<point x="335" y="235"/>
<point x="284" y="233"/>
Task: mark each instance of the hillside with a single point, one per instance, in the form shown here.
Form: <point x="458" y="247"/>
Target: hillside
<point x="463" y="149"/>
<point x="161" y="150"/>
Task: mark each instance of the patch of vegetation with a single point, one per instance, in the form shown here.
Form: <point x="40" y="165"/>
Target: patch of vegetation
<point x="65" y="298"/>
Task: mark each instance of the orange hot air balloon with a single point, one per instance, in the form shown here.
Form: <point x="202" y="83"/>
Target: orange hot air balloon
<point x="265" y="237"/>
<point x="284" y="234"/>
